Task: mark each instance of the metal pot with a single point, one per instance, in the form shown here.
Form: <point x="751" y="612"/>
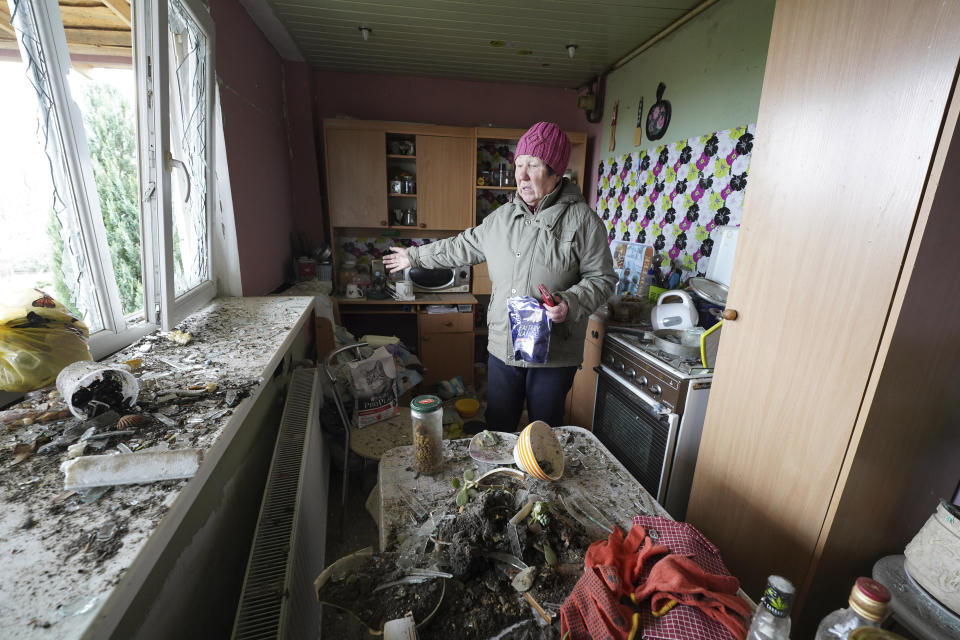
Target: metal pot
<point x="678" y="342"/>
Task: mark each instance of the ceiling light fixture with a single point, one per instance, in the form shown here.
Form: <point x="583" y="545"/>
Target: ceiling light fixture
<point x="571" y="50"/>
<point x="365" y="33"/>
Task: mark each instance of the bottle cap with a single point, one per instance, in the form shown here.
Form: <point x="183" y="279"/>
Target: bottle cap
<point x="869" y="599"/>
<point x="778" y="596"/>
<point x="426" y="404"/>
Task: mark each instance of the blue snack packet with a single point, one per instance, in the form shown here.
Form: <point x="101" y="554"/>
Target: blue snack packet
<point x="529" y="328"/>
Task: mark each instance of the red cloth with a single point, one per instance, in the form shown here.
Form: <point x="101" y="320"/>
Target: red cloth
<point x="592" y="610"/>
<point x="680" y="578"/>
<point x="638" y="565"/>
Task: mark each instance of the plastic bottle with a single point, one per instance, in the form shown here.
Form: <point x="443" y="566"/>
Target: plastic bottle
<point x="647" y="282"/>
<point x="868" y="604"/>
<point x="771" y="620"/>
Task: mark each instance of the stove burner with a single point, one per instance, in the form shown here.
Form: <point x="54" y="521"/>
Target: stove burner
<point x="638" y="340"/>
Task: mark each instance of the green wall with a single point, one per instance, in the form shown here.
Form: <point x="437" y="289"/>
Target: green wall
<point x="713" y="69"/>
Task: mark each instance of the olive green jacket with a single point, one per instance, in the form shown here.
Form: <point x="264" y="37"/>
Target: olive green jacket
<point x="563" y="246"/>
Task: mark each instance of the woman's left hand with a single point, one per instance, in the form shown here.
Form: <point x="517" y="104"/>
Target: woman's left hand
<point x="558" y="312"/>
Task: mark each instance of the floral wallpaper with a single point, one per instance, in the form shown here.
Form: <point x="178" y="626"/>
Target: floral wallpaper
<point x="673" y="196"/>
<point x="365" y="249"/>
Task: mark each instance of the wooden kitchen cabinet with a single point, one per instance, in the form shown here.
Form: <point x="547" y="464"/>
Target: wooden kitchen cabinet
<point x="831" y="427"/>
<point x="580" y="399"/>
<point x="446" y="346"/>
<point x="444" y="189"/>
<point x="481" y="283"/>
<point x="356" y="177"/>
<point x="359" y="165"/>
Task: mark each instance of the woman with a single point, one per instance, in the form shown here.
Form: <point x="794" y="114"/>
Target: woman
<point x="546" y="235"/>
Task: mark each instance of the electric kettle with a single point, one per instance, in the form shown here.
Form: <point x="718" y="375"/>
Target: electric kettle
<point x="674" y="315"/>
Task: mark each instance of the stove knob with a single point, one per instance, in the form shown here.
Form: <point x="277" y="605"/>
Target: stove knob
<point x="643" y="381"/>
<point x="630" y="374"/>
<point x="608" y="361"/>
<point x="621" y="367"/>
<point x="655" y="390"/>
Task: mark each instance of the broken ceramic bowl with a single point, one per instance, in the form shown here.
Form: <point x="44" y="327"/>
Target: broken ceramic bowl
<point x="538" y="452"/>
<point x="341" y="570"/>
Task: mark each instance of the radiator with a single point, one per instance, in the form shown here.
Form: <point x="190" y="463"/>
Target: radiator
<point x="278" y="600"/>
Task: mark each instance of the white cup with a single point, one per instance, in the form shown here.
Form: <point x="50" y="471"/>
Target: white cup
<point x="404" y="289"/>
<point x="353" y="291"/>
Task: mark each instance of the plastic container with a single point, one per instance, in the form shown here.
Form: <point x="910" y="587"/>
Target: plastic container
<point x="90" y="388"/>
<point x="426" y="417"/>
<point x="771" y="620"/>
<point x="868" y="604"/>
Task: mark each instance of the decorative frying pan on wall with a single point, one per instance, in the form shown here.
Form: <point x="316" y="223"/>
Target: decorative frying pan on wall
<point x="658" y="118"/>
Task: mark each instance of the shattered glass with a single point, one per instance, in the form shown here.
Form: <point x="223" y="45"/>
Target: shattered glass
<point x="189" y="118"/>
<point x="66" y="251"/>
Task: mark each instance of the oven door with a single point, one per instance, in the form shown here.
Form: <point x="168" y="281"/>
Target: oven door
<point x="637" y="432"/>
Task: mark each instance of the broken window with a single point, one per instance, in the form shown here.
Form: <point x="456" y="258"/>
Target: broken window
<point x="107" y="215"/>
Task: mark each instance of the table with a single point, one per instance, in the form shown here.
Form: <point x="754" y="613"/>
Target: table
<point x="589" y="466"/>
<point x="372" y="441"/>
<point x="910" y="606"/>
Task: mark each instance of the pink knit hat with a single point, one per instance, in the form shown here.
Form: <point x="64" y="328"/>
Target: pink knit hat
<point x="546" y="141"/>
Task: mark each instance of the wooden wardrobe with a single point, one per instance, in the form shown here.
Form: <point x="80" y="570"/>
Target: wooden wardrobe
<point x="834" y="419"/>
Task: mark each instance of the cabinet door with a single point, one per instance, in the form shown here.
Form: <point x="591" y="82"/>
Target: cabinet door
<point x="445" y="182"/>
<point x="793" y="367"/>
<point x="357" y="177"/>
<point x="583" y="392"/>
<point x="481" y="279"/>
<point x="446" y="355"/>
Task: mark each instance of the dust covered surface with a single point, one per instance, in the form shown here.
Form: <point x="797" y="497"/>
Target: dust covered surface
<point x="64" y="551"/>
<point x="423" y="526"/>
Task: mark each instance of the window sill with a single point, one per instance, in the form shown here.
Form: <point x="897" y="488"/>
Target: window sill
<point x="67" y="563"/>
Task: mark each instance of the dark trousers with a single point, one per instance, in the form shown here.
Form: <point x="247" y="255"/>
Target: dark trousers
<point x="543" y="388"/>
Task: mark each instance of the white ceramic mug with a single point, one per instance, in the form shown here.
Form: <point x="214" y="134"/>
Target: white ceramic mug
<point x="404" y="289"/>
<point x="353" y="291"/>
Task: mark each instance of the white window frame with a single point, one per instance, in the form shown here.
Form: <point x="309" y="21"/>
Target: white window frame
<point x="151" y="61"/>
<point x="161" y="306"/>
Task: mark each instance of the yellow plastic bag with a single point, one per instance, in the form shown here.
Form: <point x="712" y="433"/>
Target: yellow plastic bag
<point x="38" y="337"/>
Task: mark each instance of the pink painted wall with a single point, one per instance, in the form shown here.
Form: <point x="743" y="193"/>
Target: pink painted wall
<point x="305" y="172"/>
<point x="450" y="102"/>
<point x="250" y="76"/>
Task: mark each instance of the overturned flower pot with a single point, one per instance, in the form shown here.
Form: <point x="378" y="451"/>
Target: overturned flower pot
<point x="90" y="388"/>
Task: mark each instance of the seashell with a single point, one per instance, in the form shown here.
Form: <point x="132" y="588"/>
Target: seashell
<point x="132" y="421"/>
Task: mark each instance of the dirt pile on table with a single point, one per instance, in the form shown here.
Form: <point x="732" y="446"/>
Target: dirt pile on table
<point x="475" y="544"/>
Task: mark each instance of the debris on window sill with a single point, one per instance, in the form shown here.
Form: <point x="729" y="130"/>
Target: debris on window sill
<point x="66" y="547"/>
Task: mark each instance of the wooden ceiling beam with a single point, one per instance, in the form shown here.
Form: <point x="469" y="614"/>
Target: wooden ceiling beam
<point x="5" y="25"/>
<point x="98" y="37"/>
<point x="121" y="8"/>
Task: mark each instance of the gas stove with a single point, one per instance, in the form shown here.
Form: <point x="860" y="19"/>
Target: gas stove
<point x="649" y="412"/>
<point x="661" y="376"/>
<point x="641" y="340"/>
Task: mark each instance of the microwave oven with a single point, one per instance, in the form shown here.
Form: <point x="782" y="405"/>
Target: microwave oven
<point x="451" y="280"/>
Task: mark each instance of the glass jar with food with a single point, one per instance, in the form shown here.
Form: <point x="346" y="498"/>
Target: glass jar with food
<point x="426" y="416"/>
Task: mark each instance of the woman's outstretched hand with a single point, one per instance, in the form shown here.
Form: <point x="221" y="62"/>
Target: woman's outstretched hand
<point x="396" y="261"/>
